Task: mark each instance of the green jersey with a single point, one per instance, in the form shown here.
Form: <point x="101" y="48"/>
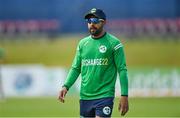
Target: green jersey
<point x="98" y="60"/>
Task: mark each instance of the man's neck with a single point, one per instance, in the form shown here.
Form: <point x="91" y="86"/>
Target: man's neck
<point x="98" y="36"/>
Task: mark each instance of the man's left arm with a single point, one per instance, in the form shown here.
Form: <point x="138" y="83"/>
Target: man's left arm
<point x="120" y="62"/>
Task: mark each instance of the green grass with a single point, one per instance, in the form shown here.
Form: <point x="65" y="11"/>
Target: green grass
<point x="60" y="52"/>
<point x="51" y="107"/>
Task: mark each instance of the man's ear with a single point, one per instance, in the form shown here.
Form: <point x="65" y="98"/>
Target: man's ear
<point x="104" y="22"/>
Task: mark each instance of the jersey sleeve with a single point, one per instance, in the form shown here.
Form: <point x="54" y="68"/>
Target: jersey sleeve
<point x="120" y="62"/>
<point x="74" y="71"/>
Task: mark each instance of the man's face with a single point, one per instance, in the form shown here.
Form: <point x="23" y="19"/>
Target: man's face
<point x="95" y="25"/>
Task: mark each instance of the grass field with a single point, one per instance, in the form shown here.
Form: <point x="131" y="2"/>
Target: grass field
<point x="50" y="107"/>
<point x="60" y="52"/>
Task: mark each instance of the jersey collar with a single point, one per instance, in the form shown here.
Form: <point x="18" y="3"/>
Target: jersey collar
<point x="99" y="37"/>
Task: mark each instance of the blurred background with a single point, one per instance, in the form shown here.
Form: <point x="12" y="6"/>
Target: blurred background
<point x="38" y="39"/>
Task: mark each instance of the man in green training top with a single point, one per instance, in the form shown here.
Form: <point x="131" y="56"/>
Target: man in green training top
<point x="98" y="58"/>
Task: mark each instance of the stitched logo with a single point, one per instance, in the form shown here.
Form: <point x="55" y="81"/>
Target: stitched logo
<point x="106" y="110"/>
<point x="102" y="49"/>
<point x="93" y="10"/>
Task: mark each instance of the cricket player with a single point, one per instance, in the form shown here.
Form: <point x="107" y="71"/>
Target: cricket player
<point x="98" y="58"/>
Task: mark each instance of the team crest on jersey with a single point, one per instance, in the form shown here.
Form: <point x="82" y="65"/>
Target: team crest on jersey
<point x="102" y="49"/>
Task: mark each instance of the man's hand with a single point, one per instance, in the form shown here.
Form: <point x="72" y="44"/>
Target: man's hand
<point x="62" y="94"/>
<point x="123" y="105"/>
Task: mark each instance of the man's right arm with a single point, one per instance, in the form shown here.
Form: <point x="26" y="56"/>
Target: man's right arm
<point x="74" y="71"/>
<point x="62" y="94"/>
<point x="72" y="75"/>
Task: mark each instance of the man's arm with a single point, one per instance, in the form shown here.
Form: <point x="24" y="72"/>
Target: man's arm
<point x="123" y="105"/>
<point x="72" y="76"/>
<point x="120" y="62"/>
<point x="62" y="94"/>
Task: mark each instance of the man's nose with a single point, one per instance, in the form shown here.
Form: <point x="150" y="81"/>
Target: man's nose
<point x="91" y="23"/>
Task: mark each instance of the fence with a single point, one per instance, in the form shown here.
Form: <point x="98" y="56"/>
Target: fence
<point x="145" y="27"/>
<point x="37" y="80"/>
<point x="128" y="27"/>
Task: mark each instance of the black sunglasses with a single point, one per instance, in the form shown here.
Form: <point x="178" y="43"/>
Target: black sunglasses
<point x="94" y="20"/>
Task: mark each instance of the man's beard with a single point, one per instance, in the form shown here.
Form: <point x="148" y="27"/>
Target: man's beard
<point x="95" y="32"/>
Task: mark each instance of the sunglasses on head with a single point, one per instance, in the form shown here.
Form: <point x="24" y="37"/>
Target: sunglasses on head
<point x="94" y="20"/>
